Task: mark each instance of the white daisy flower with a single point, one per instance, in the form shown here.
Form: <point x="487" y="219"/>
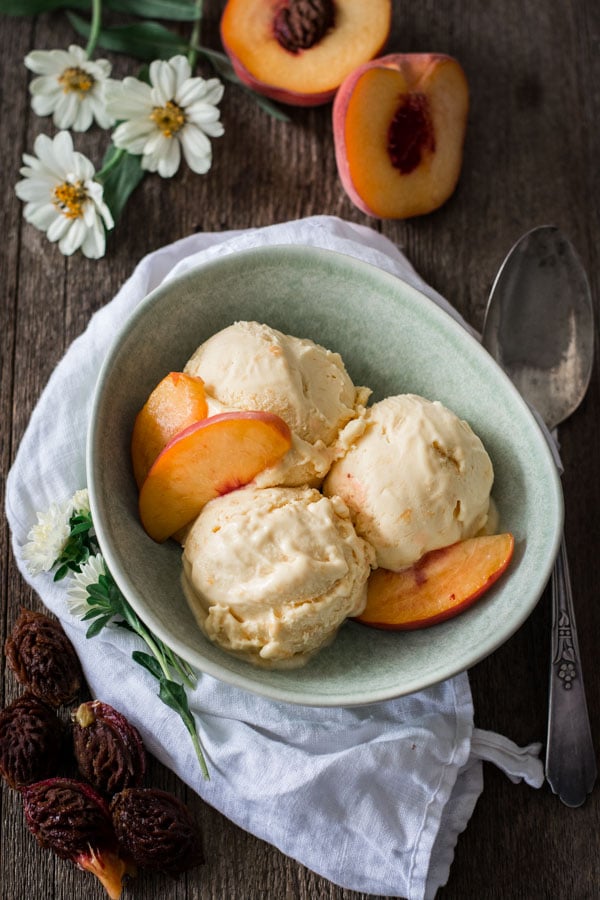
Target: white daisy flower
<point x="70" y="86"/>
<point x="176" y="112"/>
<point x="62" y="198"/>
<point x="47" y="538"/>
<point x="80" y="502"/>
<point x="77" y="594"/>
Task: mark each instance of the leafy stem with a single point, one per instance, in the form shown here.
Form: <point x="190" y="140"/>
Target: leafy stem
<point x="106" y="603"/>
<point x="110" y="164"/>
<point x="195" y="36"/>
<point x="95" y="27"/>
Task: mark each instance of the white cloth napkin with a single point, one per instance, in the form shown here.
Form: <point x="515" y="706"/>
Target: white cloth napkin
<point x="373" y="798"/>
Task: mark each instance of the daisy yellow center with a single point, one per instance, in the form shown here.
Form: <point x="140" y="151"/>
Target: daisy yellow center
<point x="76" y="79"/>
<point x="69" y="199"/>
<point x="169" y="119"/>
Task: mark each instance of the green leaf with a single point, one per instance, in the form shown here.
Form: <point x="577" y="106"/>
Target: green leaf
<point x="146" y="40"/>
<point x="148" y="662"/>
<point x="33" y="7"/>
<point x="121" y="181"/>
<point x="97" y="626"/>
<point x="223" y="67"/>
<point x="61" y="572"/>
<point x="175" y="10"/>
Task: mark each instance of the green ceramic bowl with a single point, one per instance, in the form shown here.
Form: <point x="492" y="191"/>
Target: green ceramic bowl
<point x="393" y="339"/>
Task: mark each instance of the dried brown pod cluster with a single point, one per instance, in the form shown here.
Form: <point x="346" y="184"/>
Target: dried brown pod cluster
<point x="31" y="739"/>
<point x="74" y="817"/>
<point x="73" y="820"/>
<point x="108" y="749"/>
<point x="43" y="659"/>
<point x="156" y="830"/>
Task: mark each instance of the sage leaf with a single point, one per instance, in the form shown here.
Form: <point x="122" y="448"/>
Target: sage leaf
<point x="148" y="662"/>
<point x="176" y="10"/>
<point x="222" y="65"/>
<point x="146" y="40"/>
<point x="121" y="181"/>
<point x="34" y="7"/>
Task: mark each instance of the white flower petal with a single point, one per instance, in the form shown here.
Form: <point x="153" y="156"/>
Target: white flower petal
<point x="169" y="161"/>
<point x="77" y="594"/>
<point x="46" y="539"/>
<point x="58" y="228"/>
<point x="65" y="110"/>
<point x="45" y="86"/>
<point x="129" y="98"/>
<point x="196" y="89"/>
<point x="48" y="62"/>
<point x="133" y="135"/>
<point x="163" y="80"/>
<point x="94" y="243"/>
<point x="73" y="237"/>
<point x="78" y="54"/>
<point x="196" y="149"/>
<point x="41" y="215"/>
<point x="84" y="116"/>
<point x="182" y="70"/>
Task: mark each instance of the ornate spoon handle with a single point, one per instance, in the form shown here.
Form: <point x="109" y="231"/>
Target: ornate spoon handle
<point x="570" y="758"/>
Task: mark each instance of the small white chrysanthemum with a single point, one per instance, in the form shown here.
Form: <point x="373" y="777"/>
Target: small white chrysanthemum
<point x="47" y="538"/>
<point x="62" y="198"/>
<point x="176" y="112"/>
<point x="77" y="593"/>
<point x="70" y="86"/>
<point x="80" y="501"/>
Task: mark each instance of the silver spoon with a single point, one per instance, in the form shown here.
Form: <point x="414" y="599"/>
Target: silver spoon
<point x="539" y="328"/>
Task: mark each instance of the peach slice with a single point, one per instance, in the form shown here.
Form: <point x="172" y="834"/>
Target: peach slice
<point x="175" y="403"/>
<point x="300" y="51"/>
<point x="210" y="458"/>
<point x="442" y="584"/>
<point x="399" y="125"/>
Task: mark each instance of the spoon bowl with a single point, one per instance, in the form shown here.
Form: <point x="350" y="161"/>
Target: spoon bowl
<point x="539" y="323"/>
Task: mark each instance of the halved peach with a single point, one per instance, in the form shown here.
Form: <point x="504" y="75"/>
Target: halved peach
<point x="175" y="403"/>
<point x="210" y="458"/>
<point x="399" y="125"/>
<point x="442" y="584"/>
<point x="299" y="52"/>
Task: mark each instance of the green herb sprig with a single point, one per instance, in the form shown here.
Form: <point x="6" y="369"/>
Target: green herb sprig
<point x="107" y="604"/>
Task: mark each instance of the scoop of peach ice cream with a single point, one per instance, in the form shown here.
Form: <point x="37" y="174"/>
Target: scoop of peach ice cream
<point x="271" y="573"/>
<point x="416" y="479"/>
<point x="252" y="366"/>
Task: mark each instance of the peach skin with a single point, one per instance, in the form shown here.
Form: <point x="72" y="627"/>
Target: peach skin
<point x="210" y="458"/>
<point x="399" y="125"/>
<point x="442" y="584"/>
<point x="299" y="52"/>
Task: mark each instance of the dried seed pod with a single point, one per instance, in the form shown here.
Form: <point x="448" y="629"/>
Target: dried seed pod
<point x="156" y="830"/>
<point x="71" y="818"/>
<point x="31" y="739"/>
<point x="42" y="658"/>
<point x="108" y="749"/>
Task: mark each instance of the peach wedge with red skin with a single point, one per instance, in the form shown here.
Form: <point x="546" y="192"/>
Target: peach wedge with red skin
<point x="210" y="458"/>
<point x="277" y="52"/>
<point x="439" y="586"/>
<point x="399" y="125"/>
<point x="175" y="403"/>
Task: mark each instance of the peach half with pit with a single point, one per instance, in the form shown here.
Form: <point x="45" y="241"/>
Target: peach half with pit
<point x="437" y="587"/>
<point x="299" y="51"/>
<point x="399" y="126"/>
<point x="177" y="401"/>
<point x="210" y="458"/>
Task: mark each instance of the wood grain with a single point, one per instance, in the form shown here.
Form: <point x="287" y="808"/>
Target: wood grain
<point x="531" y="158"/>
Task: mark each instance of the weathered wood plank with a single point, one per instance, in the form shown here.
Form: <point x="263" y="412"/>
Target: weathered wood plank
<point x="530" y="157"/>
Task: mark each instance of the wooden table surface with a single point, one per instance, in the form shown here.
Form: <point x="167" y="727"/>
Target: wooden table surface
<point x="531" y="157"/>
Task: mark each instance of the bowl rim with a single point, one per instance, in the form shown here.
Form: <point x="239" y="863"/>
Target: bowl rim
<point x="444" y="670"/>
